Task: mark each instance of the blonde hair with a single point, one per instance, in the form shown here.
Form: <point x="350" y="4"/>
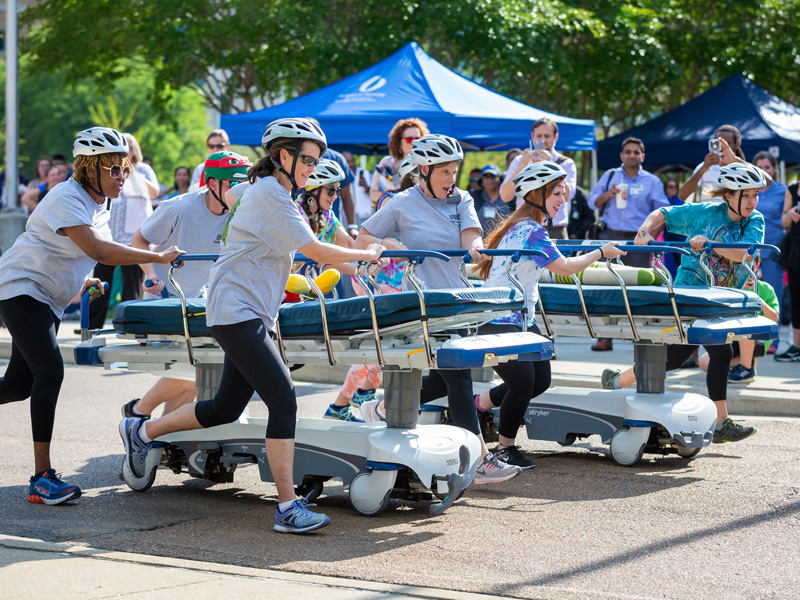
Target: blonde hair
<point x="85" y="167"/>
<point x="136" y="151"/>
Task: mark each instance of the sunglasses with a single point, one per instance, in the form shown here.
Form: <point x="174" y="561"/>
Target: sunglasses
<point x="408" y="140"/>
<point x="118" y="171"/>
<point x="307" y="160"/>
<point x="217" y="146"/>
<point x="332" y="190"/>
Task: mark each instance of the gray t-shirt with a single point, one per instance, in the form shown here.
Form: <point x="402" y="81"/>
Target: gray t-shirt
<point x="424" y="223"/>
<point x="44" y="263"/>
<point x="185" y="222"/>
<point x="258" y="245"/>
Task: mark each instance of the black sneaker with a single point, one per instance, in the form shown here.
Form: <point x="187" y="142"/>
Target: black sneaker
<point x="512" y="456"/>
<point x="731" y="431"/>
<point x="129" y="413"/>
<point x="792" y="354"/>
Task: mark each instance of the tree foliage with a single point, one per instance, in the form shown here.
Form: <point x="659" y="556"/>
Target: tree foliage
<point x="53" y="106"/>
<point x="616" y="61"/>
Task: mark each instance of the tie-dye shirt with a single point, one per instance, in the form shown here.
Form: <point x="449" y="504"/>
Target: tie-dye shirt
<point x="525" y="235"/>
<point x="711" y="220"/>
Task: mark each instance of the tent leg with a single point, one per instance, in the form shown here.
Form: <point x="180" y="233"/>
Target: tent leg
<point x="782" y="172"/>
<point x="594" y="169"/>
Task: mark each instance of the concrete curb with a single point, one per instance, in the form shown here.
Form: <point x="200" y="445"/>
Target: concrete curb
<point x="161" y="562"/>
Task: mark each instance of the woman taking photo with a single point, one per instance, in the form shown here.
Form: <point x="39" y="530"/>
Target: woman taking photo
<point x="433" y="215"/>
<point x="734" y="219"/>
<point x="246" y="286"/>
<point x="41" y="274"/>
<point x="542" y="187"/>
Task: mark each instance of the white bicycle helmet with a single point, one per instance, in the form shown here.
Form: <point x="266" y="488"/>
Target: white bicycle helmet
<point x="327" y="172"/>
<point x="406" y="167"/>
<point x="537" y="175"/>
<point x="435" y="149"/>
<point x="99" y="140"/>
<point x="294" y="128"/>
<point x="741" y="176"/>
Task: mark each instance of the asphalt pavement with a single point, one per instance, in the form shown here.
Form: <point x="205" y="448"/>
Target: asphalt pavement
<point x="725" y="524"/>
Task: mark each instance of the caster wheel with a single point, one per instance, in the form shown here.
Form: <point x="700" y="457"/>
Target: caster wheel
<point x="137" y="484"/>
<point x="311" y="488"/>
<point x="688" y="452"/>
<point x="627" y="445"/>
<point x="370" y="491"/>
<point x="569" y="439"/>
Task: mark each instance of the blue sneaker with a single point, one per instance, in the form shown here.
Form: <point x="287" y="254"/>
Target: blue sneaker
<point x="362" y="396"/>
<point x="298" y="519"/>
<point x="49" y="489"/>
<point x="343" y="413"/>
<point x="135" y="448"/>
<point x="740" y="374"/>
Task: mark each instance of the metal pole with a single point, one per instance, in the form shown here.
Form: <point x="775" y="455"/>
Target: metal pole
<point x="12" y="172"/>
<point x="783" y="171"/>
<point x="594" y="169"/>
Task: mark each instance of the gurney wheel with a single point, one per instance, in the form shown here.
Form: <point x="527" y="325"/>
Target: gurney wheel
<point x="687" y="452"/>
<point x="569" y="439"/>
<point x="311" y="488"/>
<point x="369" y="491"/>
<point x="135" y="483"/>
<point x="627" y="445"/>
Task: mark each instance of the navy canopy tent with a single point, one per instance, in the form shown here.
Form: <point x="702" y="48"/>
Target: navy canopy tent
<point x="357" y="112"/>
<point x="680" y="136"/>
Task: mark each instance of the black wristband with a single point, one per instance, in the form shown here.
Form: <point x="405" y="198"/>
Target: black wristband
<point x="601" y="252"/>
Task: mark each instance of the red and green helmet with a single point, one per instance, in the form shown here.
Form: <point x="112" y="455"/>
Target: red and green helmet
<point x="225" y="165"/>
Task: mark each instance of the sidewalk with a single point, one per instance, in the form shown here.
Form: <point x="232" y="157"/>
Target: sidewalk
<point x="75" y="571"/>
<point x="775" y="392"/>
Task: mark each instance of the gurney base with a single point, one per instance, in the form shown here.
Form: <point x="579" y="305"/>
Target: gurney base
<point x="631" y="423"/>
<point x="374" y="463"/>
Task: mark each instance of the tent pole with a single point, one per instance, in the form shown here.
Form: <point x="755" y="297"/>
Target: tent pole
<point x="782" y="171"/>
<point x="594" y="168"/>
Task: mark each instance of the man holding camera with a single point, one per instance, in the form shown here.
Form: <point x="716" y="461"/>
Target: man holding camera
<point x="544" y="135"/>
<point x="723" y="148"/>
<point x="626" y="196"/>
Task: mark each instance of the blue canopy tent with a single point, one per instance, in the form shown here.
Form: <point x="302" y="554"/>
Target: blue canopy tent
<point x="680" y="136"/>
<point x="358" y="112"/>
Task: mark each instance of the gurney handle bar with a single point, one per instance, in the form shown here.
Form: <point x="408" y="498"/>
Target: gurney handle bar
<point x="416" y="254"/>
<point x="712" y="244"/>
<point x="651" y="249"/>
<point x="184" y="257"/>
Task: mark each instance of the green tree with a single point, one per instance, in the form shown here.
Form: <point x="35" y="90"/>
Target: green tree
<point x="53" y="107"/>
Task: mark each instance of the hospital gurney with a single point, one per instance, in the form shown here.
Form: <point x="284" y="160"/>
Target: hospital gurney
<point x="404" y="332"/>
<point x="650" y="419"/>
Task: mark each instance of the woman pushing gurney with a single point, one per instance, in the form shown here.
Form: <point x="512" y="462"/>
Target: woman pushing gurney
<point x="246" y="286"/>
<point x="734" y="220"/>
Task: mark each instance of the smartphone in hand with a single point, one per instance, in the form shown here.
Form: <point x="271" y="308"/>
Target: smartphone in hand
<point x="714" y="145"/>
<point x="538" y="145"/>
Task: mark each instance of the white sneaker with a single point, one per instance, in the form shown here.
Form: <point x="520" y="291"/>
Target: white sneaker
<point x="371" y="411"/>
<point x="494" y="470"/>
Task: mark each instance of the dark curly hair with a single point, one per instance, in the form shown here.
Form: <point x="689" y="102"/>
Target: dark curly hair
<point x="395" y="135"/>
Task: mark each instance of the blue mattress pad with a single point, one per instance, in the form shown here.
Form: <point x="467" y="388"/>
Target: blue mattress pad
<point x="163" y="317"/>
<point x="695" y="302"/>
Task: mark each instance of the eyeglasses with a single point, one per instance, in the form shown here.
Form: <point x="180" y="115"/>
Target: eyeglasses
<point x="118" y="171"/>
<point x="221" y="146"/>
<point x="408" y="140"/>
<point x="332" y="190"/>
<point x="307" y="160"/>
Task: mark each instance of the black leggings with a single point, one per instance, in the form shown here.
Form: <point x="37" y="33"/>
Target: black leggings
<point x="36" y="368"/>
<point x="252" y="363"/>
<point x="132" y="277"/>
<point x="719" y="363"/>
<point x="794" y="296"/>
<point x="522" y="381"/>
<point x="457" y="385"/>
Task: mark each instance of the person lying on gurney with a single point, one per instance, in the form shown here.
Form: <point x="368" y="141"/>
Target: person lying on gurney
<point x="733" y="220"/>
